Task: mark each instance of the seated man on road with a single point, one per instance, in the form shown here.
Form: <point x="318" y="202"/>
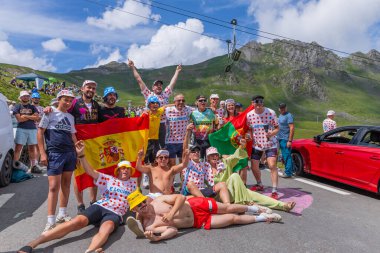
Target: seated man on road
<point x="161" y="176"/>
<point x="198" y="172"/>
<point x="163" y="216"/>
<point x="106" y="212"/>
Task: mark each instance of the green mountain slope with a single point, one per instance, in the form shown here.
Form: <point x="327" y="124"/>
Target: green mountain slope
<point x="308" y="78"/>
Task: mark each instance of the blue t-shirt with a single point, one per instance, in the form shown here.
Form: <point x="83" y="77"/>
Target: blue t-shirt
<point x="284" y="121"/>
<point x="59" y="127"/>
<point x="25" y="110"/>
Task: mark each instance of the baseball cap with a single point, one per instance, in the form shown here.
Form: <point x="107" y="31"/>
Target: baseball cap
<point x="330" y="112"/>
<point x="135" y="198"/>
<point x="238" y="104"/>
<point x="67" y="93"/>
<point x="214" y="96"/>
<point x="282" y="105"/>
<point x="200" y="96"/>
<point x="23" y="93"/>
<point x="211" y="151"/>
<point x="257" y="97"/>
<point x="124" y="164"/>
<point x="158" y="81"/>
<point x="88" y="82"/>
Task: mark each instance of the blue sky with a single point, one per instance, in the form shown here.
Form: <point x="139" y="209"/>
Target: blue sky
<point x="66" y="35"/>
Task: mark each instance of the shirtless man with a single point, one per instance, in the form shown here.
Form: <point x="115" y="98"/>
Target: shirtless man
<point x="161" y="176"/>
<point x="162" y="217"/>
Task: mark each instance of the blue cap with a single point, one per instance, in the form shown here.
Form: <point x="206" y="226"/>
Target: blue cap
<point x="109" y="90"/>
<point x="36" y="95"/>
<point x="153" y="99"/>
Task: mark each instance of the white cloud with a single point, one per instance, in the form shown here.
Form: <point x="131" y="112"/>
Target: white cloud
<point x="3" y="36"/>
<point x="55" y="45"/>
<point x="114" y="56"/>
<point x="171" y="46"/>
<point x="336" y="24"/>
<point x="9" y="54"/>
<point x="120" y="17"/>
<point x="99" y="48"/>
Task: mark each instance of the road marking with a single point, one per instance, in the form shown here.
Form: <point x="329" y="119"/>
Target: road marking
<point x="18" y="215"/>
<point x="328" y="188"/>
<point x="5" y="197"/>
<point x="322" y="186"/>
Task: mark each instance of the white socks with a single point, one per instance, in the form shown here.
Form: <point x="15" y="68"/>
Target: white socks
<point x="253" y="209"/>
<point x="261" y="218"/>
<point x="62" y="211"/>
<point x="51" y="219"/>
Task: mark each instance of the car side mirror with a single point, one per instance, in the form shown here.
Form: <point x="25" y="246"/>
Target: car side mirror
<point x="317" y="139"/>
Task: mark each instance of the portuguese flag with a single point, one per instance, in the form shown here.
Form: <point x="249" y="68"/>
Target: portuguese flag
<point x="108" y="143"/>
<point x="226" y="139"/>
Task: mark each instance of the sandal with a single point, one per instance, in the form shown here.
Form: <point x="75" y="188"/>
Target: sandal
<point x="27" y="249"/>
<point x="289" y="206"/>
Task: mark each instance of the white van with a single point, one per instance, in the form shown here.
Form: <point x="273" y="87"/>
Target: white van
<point x="7" y="143"/>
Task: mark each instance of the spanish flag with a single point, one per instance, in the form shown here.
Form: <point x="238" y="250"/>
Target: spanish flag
<point x="108" y="143"/>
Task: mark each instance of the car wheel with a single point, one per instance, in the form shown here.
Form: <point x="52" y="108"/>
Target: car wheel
<point x="6" y="170"/>
<point x="297" y="164"/>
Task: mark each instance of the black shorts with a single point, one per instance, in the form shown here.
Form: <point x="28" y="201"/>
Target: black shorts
<point x="208" y="192"/>
<point x="97" y="215"/>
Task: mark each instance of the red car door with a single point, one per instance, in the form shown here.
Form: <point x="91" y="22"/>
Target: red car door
<point x="331" y="159"/>
<point x="362" y="163"/>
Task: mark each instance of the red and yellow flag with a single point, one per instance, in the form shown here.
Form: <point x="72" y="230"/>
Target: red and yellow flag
<point x="108" y="143"/>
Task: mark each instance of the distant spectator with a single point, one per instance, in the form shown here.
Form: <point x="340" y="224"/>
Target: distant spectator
<point x="329" y="123"/>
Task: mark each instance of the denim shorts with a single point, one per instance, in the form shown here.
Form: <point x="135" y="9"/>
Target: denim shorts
<point x="175" y="150"/>
<point x="60" y="162"/>
<point x="256" y="154"/>
<point x="26" y="136"/>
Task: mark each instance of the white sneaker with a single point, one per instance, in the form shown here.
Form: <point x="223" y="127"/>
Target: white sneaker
<point x="19" y="165"/>
<point x="135" y="226"/>
<point x="263" y="209"/>
<point x="272" y="217"/>
<point x="48" y="227"/>
<point x="62" y="219"/>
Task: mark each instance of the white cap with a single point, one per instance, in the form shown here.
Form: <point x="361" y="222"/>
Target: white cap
<point x="88" y="82"/>
<point x="214" y="96"/>
<point x="23" y="93"/>
<point x="67" y="93"/>
<point x="330" y="112"/>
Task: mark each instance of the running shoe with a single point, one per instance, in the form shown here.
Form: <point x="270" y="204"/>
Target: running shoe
<point x="81" y="208"/>
<point x="62" y="219"/>
<point x="48" y="227"/>
<point x="263" y="209"/>
<point x="36" y="169"/>
<point x="274" y="195"/>
<point x="257" y="187"/>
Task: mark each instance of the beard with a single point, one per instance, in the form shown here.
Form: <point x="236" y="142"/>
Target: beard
<point x="111" y="102"/>
<point x="88" y="95"/>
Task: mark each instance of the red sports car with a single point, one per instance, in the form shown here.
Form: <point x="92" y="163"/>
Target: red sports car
<point x="349" y="155"/>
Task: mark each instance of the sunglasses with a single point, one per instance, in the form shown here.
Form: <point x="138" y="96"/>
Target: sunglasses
<point x="195" y="151"/>
<point x="258" y="101"/>
<point x="139" y="205"/>
<point x="163" y="157"/>
<point x="202" y="100"/>
<point x="180" y="100"/>
<point x="156" y="103"/>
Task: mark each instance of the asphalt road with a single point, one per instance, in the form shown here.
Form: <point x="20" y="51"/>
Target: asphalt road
<point x="336" y="218"/>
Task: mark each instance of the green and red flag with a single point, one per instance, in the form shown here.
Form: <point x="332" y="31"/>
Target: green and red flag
<point x="226" y="139"/>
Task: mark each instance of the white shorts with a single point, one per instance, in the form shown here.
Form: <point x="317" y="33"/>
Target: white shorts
<point x="154" y="195"/>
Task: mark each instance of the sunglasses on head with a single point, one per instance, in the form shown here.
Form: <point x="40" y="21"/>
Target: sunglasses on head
<point x="163" y="157"/>
<point x="195" y="151"/>
<point x="258" y="101"/>
<point x="202" y="100"/>
<point x="139" y="205"/>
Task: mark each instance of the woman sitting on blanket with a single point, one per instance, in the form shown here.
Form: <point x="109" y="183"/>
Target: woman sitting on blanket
<point x="222" y="170"/>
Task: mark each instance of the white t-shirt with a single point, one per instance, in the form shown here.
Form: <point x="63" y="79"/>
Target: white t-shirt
<point x="114" y="193"/>
<point x="258" y="123"/>
<point x="176" y="123"/>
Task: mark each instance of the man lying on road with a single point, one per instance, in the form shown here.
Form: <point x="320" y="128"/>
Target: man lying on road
<point x="163" y="216"/>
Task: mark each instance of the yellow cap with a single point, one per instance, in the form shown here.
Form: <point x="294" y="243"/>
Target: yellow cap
<point x="124" y="164"/>
<point x="135" y="198"/>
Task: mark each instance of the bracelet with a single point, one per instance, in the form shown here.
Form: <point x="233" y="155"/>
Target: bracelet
<point x="81" y="156"/>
